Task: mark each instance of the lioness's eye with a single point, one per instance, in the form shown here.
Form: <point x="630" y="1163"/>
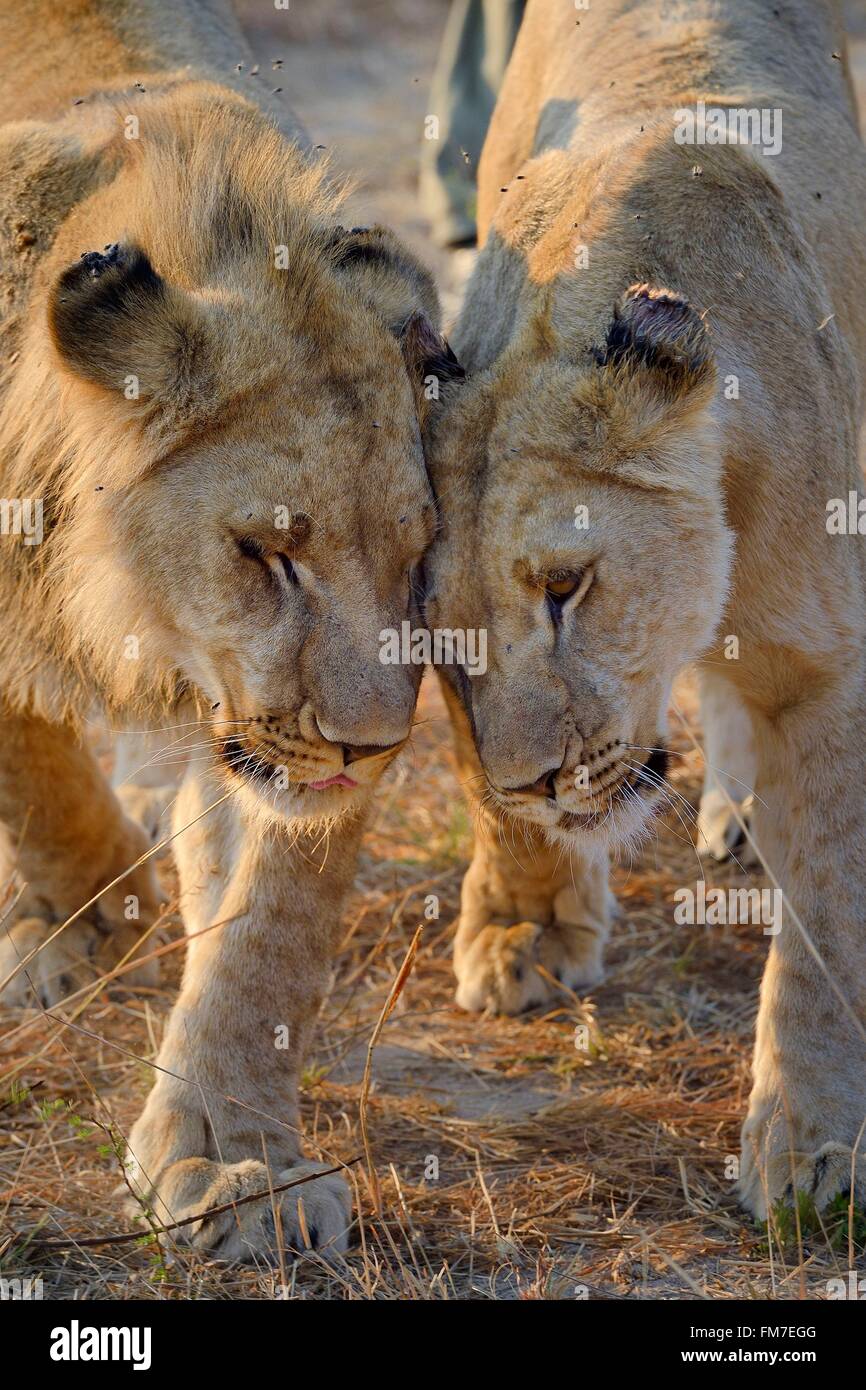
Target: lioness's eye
<point x="561" y="585"/>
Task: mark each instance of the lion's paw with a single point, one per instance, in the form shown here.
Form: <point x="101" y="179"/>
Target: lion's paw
<point x="76" y="958"/>
<point x="249" y="1232"/>
<point x="499" y="970"/>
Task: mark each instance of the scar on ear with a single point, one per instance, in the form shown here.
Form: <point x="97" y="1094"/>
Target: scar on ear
<point x="97" y="262"/>
<point x="656" y="328"/>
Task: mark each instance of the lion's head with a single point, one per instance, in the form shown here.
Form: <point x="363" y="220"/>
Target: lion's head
<point x="243" y="496"/>
<point x="583" y="528"/>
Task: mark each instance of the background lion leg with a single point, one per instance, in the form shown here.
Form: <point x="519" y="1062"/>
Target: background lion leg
<point x="808" y="1104"/>
<point x="147" y="770"/>
<point x="730" y="767"/>
<point x="524" y="904"/>
<point x="64" y="836"/>
<point x="262" y="914"/>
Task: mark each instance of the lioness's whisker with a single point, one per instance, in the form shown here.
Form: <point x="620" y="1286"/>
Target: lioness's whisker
<point x="165" y="728"/>
<point x="669" y="789"/>
<point x="183" y="762"/>
<point x="673" y="752"/>
<point x="667" y="799"/>
<point x="651" y="778"/>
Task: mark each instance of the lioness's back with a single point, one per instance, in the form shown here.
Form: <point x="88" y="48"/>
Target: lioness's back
<point x="604" y="87"/>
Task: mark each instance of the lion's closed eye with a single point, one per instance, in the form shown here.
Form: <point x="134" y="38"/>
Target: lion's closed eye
<point x="275" y="561"/>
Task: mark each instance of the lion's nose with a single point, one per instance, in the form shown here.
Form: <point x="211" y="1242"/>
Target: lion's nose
<point x="352" y="734"/>
<point x="352" y="752"/>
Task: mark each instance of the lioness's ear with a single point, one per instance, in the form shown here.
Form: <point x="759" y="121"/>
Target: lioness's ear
<point x="658" y="332"/>
<point x="653" y="390"/>
<point x="120" y="326"/>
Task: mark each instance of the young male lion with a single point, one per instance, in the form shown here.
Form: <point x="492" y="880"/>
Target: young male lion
<point x="213" y="488"/>
<point x="665" y="337"/>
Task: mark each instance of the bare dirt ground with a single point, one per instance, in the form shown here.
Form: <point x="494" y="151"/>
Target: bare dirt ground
<point x="512" y="1163"/>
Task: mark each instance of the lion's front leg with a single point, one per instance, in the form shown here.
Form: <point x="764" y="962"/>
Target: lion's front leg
<point x="222" y="1119"/>
<point x="807" y="1111"/>
<point x="64" y="837"/>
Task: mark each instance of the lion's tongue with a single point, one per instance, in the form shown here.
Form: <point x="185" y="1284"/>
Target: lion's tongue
<point x="341" y="780"/>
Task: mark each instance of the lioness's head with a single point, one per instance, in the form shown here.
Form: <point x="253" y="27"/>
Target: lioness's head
<point x="582" y="526"/>
<point x="251" y="496"/>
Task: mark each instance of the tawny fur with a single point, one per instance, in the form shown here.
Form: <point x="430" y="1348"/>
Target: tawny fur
<point x="707" y="507"/>
<point x="220" y="409"/>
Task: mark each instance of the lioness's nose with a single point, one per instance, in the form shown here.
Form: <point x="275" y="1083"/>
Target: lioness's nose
<point x="542" y="786"/>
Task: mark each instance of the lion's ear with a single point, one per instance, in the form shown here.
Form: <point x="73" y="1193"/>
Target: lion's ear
<point x="658" y="333"/>
<point x="378" y="266"/>
<point x="429" y="359"/>
<point x="398" y="287"/>
<point x="653" y="389"/>
<point x="118" y="325"/>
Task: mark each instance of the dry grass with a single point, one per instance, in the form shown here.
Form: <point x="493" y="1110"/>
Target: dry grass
<point x="558" y="1169"/>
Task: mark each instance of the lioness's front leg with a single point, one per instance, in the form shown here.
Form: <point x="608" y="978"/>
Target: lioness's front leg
<point x="222" y="1119"/>
<point x="524" y="904"/>
<point x="807" y="1112"/>
<point x="64" y="836"/>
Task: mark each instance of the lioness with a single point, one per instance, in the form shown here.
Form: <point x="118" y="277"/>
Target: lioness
<point x="665" y="338"/>
<point x="214" y="488"/>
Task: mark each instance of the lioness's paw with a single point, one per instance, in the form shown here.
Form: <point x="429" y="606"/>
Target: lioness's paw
<point x="77" y="957"/>
<point x="821" y="1176"/>
<point x="499" y="970"/>
<point x="249" y="1232"/>
<point x="814" y="1160"/>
